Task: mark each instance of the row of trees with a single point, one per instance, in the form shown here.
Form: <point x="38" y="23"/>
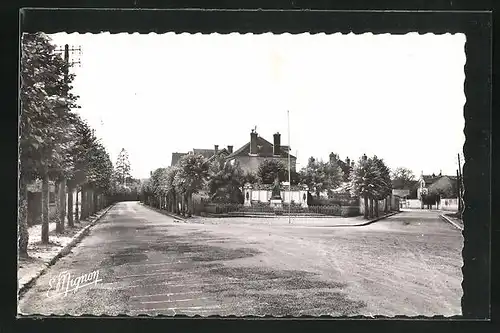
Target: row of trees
<point x="371" y="180"/>
<point x="172" y="188"/>
<point x="55" y="144"/>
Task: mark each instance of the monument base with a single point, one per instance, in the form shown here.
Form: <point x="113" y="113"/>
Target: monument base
<point x="276" y="203"/>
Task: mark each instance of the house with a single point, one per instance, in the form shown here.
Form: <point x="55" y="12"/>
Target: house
<point x="249" y="156"/>
<point x="346" y="165"/>
<point x="445" y="185"/>
<point x="258" y="149"/>
<point x="209" y="154"/>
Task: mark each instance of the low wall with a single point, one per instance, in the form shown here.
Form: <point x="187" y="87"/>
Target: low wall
<point x="445" y="204"/>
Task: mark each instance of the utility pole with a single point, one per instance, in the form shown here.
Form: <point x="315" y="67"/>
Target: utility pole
<point x="74" y="50"/>
<point x="289" y="173"/>
<point x="461" y="202"/>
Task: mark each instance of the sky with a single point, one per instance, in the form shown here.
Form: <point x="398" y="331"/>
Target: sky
<point x="400" y="97"/>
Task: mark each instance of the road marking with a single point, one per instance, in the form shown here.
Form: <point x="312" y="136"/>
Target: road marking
<point x="167" y="294"/>
<point x="173" y="301"/>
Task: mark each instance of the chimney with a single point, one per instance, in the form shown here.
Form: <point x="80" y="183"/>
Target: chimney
<point x="230" y="149"/>
<point x="277" y="142"/>
<point x="352" y="164"/>
<point x="332" y="157"/>
<point x="216" y="148"/>
<point x="365" y="157"/>
<point x="347" y="161"/>
<point x="253" y="142"/>
<point x="440" y="173"/>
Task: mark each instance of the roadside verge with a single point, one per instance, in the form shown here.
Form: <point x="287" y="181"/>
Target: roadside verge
<point x="32" y="268"/>
<point x="365" y="223"/>
<point x="453" y="223"/>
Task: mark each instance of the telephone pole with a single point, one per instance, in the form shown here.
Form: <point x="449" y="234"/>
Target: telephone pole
<point x="74" y="50"/>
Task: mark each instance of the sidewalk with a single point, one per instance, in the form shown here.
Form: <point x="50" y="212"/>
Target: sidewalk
<point x="41" y="256"/>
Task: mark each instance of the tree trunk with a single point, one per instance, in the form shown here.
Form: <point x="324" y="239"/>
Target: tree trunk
<point x="22" y="218"/>
<point x="386" y="208"/>
<point x="77" y="206"/>
<point x="370" y="214"/>
<point x="190" y="205"/>
<point x="62" y="200"/>
<point x="45" y="209"/>
<point x="183" y="204"/>
<point x="365" y="198"/>
<point x="96" y="202"/>
<point x="376" y="207"/>
<point x="83" y="205"/>
<point x="57" y="217"/>
<point x="90" y="206"/>
<point x="71" y="222"/>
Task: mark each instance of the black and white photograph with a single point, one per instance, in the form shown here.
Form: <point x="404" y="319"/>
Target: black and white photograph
<point x="241" y="174"/>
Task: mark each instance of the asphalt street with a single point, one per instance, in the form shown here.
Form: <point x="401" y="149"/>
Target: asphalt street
<point x="408" y="264"/>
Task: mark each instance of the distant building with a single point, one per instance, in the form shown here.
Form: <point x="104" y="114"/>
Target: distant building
<point x="447" y="183"/>
<point x="258" y="149"/>
<point x="209" y="154"/>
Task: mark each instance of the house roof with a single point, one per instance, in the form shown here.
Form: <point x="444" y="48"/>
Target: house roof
<point x="430" y="179"/>
<point x="222" y="151"/>
<point x="176" y="157"/>
<point x="264" y="147"/>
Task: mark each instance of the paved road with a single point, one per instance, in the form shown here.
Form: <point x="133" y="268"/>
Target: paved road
<point x="408" y="264"/>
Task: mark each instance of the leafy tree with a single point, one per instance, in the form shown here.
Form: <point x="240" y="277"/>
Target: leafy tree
<point x="442" y="188"/>
<point x="320" y="176"/>
<point x="172" y="194"/>
<point x="225" y="181"/>
<point x="99" y="176"/>
<point x="402" y="178"/>
<point x="190" y="178"/>
<point x="123" y="167"/>
<point x="85" y="141"/>
<point x="363" y="179"/>
<point x="270" y="169"/>
<point x="159" y="186"/>
<point x="250" y="177"/>
<point x="383" y="183"/>
<point x="44" y="122"/>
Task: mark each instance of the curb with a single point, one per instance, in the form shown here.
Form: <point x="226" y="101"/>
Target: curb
<point x="164" y="212"/>
<point x="451" y="222"/>
<point x="364" y="223"/>
<point x="64" y="251"/>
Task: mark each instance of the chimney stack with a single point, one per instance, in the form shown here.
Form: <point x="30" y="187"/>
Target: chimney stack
<point x="365" y="157"/>
<point x="277" y="143"/>
<point x="352" y="164"/>
<point x="230" y="149"/>
<point x="216" y="148"/>
<point x="347" y="161"/>
<point x="253" y="142"/>
<point x="333" y="157"/>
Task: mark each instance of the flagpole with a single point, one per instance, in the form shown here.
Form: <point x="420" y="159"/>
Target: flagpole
<point x="289" y="173"/>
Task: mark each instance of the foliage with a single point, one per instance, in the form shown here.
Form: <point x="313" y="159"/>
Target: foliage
<point x="383" y="185"/>
<point x="46" y="117"/>
<point x="402" y="178"/>
<point x="193" y="171"/>
<point x="320" y="176"/>
<point x="250" y="177"/>
<point x="270" y="169"/>
<point x="364" y="178"/>
<point x="100" y="168"/>
<point x="443" y="188"/>
<point x="225" y="181"/>
<point x="122" y="168"/>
